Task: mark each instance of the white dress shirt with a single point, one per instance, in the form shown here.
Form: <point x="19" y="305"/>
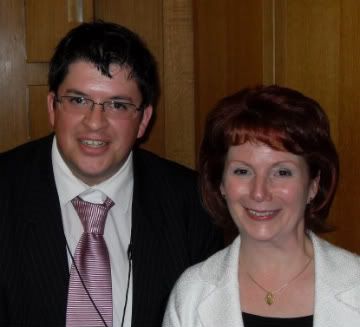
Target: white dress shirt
<point x="119" y="188"/>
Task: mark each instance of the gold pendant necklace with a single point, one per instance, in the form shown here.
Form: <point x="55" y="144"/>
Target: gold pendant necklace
<point x="270" y="295"/>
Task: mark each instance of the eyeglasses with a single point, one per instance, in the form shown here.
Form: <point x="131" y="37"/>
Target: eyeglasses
<point x="113" y="108"/>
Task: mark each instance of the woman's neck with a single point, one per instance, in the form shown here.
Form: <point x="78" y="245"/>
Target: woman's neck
<point x="275" y="255"/>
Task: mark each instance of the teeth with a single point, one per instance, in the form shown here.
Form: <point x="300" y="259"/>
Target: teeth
<point x="260" y="214"/>
<point x="93" y="143"/>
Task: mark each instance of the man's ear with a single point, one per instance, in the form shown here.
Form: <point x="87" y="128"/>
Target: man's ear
<point x="145" y="120"/>
<point x="51" y="108"/>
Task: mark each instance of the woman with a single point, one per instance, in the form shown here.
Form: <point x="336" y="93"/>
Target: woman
<point x="268" y="164"/>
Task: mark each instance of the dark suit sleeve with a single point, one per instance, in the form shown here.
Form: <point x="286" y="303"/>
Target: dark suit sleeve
<point x="204" y="237"/>
<point x="33" y="263"/>
<point x="186" y="222"/>
<point x="170" y="232"/>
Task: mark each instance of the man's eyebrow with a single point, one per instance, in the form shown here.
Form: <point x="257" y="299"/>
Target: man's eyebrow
<point x="119" y="97"/>
<point x="115" y="97"/>
<point x="77" y="92"/>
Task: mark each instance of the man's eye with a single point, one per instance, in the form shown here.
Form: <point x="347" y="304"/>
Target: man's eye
<point x="119" y="105"/>
<point x="77" y="100"/>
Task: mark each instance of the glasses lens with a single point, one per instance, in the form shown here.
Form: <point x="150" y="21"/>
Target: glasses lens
<point x="122" y="110"/>
<point x="115" y="109"/>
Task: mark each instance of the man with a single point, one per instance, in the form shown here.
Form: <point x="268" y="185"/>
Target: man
<point x="102" y="88"/>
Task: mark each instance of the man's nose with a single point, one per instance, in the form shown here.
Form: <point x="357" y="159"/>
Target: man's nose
<point x="96" y="117"/>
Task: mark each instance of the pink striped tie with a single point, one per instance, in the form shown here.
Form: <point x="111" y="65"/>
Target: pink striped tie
<point x="90" y="305"/>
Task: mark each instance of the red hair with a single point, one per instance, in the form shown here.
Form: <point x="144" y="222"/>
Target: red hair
<point x="281" y="118"/>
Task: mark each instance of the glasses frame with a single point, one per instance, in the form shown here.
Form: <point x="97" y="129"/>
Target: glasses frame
<point x="102" y="104"/>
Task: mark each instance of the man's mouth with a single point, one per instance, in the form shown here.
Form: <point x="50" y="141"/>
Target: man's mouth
<point x="93" y="143"/>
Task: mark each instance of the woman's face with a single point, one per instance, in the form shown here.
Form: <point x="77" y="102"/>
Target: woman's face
<point x="267" y="191"/>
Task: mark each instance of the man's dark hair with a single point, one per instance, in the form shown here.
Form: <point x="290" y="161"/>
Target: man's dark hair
<point x="102" y="43"/>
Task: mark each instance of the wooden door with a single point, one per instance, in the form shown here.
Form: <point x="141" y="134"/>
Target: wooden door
<point x="167" y="28"/>
<point x="228" y="51"/>
<point x="316" y="51"/>
<point x="308" y="45"/>
<point x="29" y="32"/>
<point x="13" y="97"/>
<point x="46" y="22"/>
<point x="32" y="28"/>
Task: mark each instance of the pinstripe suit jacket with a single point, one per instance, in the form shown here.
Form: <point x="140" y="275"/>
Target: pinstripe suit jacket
<point x="170" y="231"/>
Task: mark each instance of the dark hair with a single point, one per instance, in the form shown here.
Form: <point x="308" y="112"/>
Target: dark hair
<point x="283" y="119"/>
<point x="102" y="44"/>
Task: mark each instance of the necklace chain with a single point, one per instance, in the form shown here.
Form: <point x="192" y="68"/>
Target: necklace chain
<point x="270" y="295"/>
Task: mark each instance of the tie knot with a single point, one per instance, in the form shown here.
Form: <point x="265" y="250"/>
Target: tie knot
<point x="92" y="215"/>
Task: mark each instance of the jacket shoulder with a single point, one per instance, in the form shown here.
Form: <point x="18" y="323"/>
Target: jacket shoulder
<point x="334" y="253"/>
<point x="22" y="154"/>
<point x="209" y="280"/>
<point x="338" y="266"/>
<point x="164" y="173"/>
<point x="149" y="160"/>
<point x="26" y="162"/>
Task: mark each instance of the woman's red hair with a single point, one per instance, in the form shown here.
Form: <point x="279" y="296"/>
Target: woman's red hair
<point x="285" y="120"/>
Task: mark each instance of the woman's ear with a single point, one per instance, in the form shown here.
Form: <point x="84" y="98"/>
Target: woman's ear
<point x="222" y="190"/>
<point x="313" y="188"/>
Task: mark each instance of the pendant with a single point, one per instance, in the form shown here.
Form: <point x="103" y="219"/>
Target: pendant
<point x="269" y="298"/>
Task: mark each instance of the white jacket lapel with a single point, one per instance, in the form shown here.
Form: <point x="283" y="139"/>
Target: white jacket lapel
<point x="222" y="306"/>
<point x="337" y="286"/>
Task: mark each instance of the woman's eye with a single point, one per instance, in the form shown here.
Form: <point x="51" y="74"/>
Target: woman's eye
<point x="283" y="172"/>
<point x="241" y="171"/>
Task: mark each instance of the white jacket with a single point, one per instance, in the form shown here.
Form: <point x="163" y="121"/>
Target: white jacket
<point x="207" y="294"/>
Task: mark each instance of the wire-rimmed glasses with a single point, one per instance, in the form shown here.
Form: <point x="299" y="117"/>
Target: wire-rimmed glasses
<point x="113" y="108"/>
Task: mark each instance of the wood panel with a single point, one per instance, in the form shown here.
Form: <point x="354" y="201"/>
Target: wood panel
<point x="346" y="216"/>
<point x="312" y="46"/>
<point x="37" y="90"/>
<point x="316" y="50"/>
<point x="48" y="21"/>
<point x="166" y="27"/>
<point x="38" y="119"/>
<point x="306" y="60"/>
<point x="210" y="61"/>
<point x="58" y="17"/>
<point x="13" y="114"/>
<point x="228" y="51"/>
<point x="179" y="82"/>
<point x="145" y="17"/>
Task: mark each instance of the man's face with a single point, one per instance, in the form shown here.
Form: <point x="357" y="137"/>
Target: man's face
<point x="93" y="144"/>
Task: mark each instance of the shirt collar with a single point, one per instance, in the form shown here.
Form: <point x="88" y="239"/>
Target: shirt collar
<point x="118" y="186"/>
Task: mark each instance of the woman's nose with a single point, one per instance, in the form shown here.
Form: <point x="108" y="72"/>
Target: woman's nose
<point x="260" y="189"/>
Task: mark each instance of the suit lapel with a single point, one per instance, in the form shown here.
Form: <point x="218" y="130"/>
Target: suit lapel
<point x="159" y="254"/>
<point x="44" y="242"/>
<point x="147" y="237"/>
